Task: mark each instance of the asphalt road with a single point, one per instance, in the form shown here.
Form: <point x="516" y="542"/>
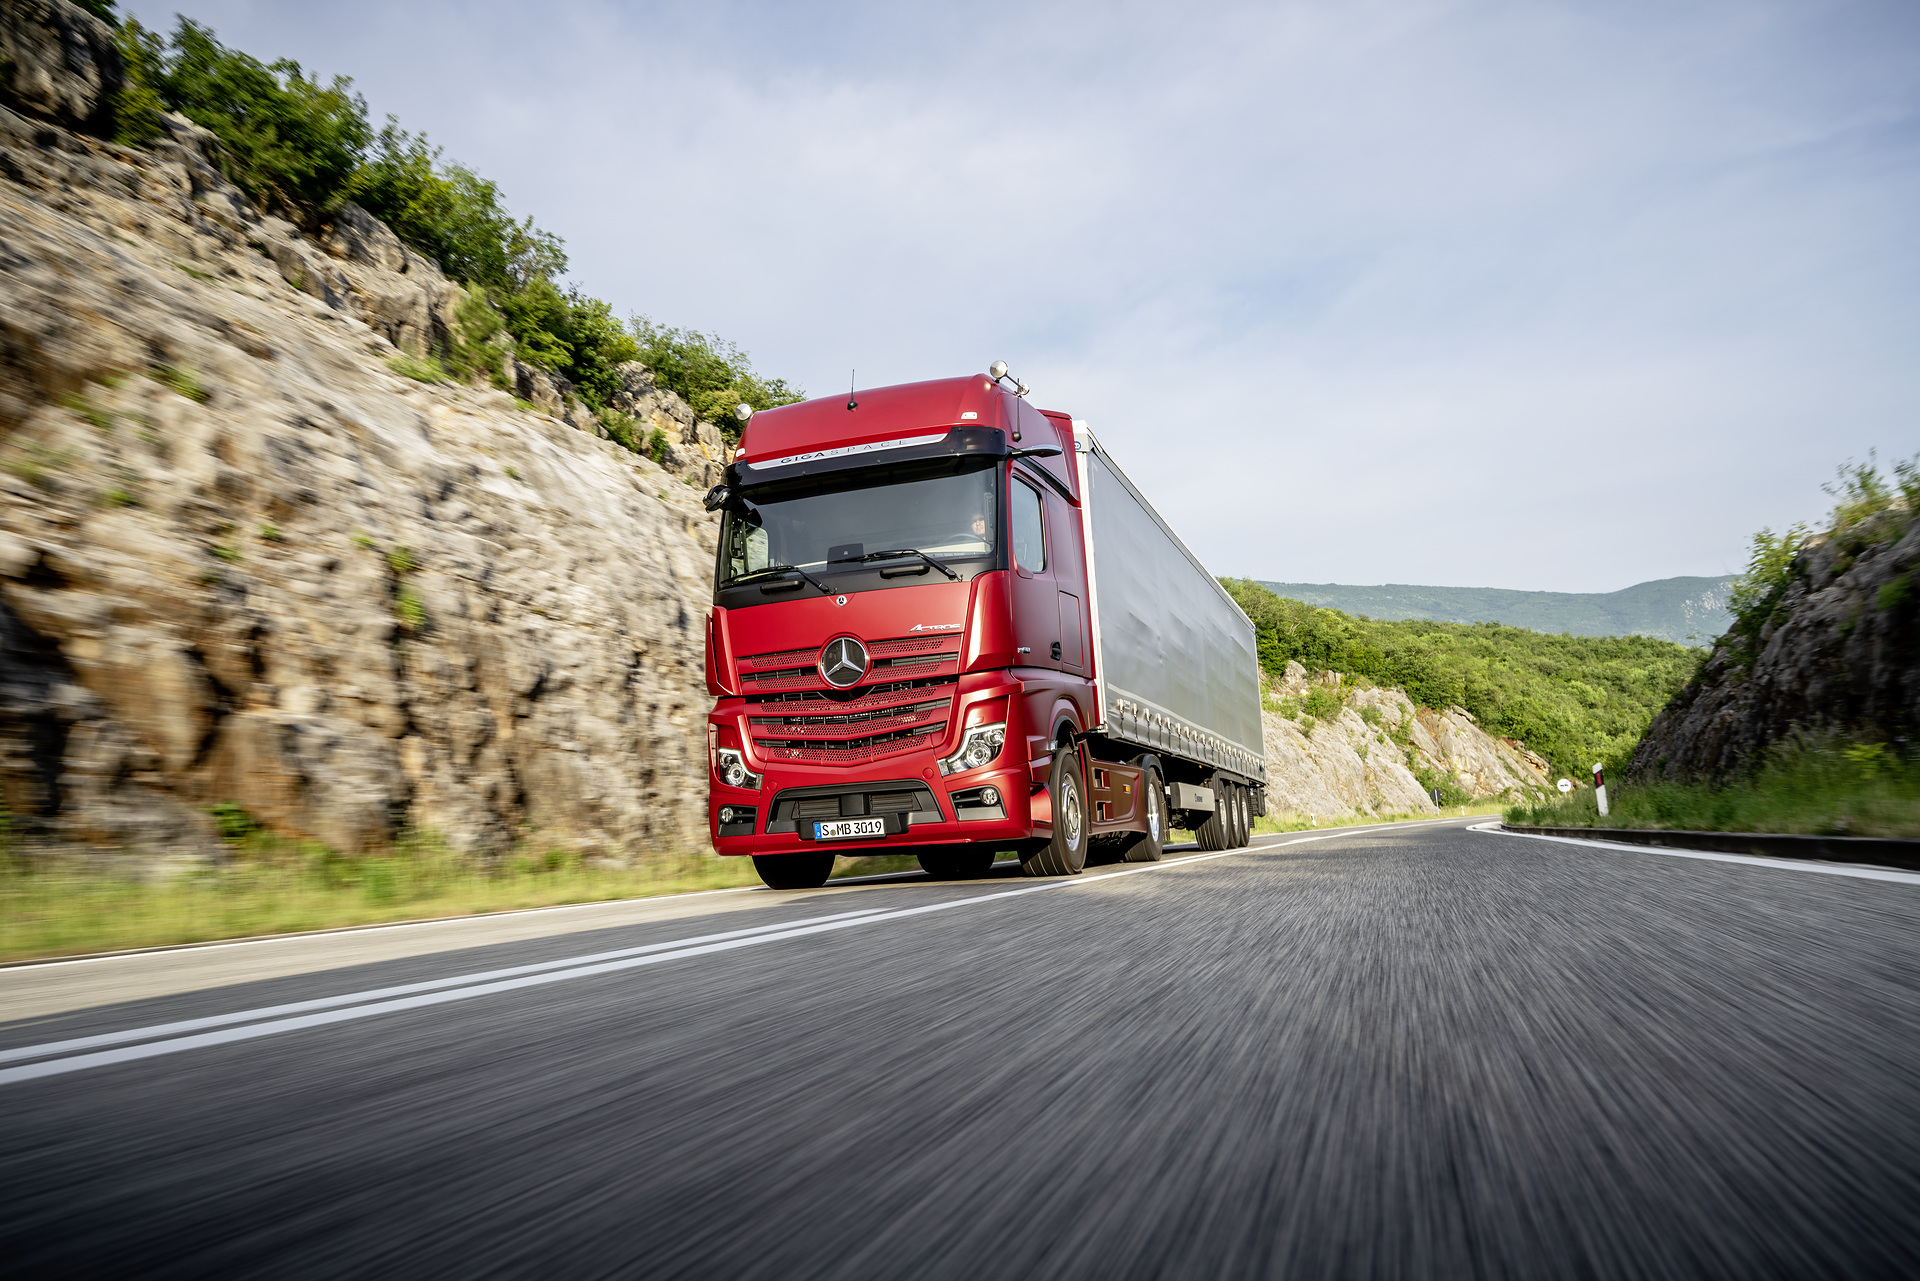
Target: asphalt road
<point x="1417" y="1051"/>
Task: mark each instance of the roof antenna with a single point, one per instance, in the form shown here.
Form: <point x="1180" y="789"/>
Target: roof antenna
<point x="851" y="402"/>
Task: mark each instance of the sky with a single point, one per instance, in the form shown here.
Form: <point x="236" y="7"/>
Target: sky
<point x="1549" y="296"/>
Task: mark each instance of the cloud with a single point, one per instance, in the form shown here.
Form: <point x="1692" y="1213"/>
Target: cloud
<point x="1552" y="296"/>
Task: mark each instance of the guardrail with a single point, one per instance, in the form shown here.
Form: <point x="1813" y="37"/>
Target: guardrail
<point x="1878" y="851"/>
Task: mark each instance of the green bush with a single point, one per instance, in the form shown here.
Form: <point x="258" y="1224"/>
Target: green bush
<point x="1321" y="703"/>
<point x="452" y="214"/>
<point x="709" y="373"/>
<point x="289" y="141"/>
<point x="303" y="148"/>
<point x="1573" y="699"/>
<point x="474" y="346"/>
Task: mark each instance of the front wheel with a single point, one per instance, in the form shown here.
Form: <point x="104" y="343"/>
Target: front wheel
<point x="1066" y="853"/>
<point x="806" y="870"/>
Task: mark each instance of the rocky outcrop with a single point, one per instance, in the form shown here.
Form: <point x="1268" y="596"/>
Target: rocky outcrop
<point x="243" y="560"/>
<point x="1841" y="655"/>
<point x="694" y="449"/>
<point x="58" y="63"/>
<point x="1362" y="759"/>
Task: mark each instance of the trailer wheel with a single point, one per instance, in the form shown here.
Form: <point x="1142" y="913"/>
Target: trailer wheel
<point x="803" y="871"/>
<point x="957" y="862"/>
<point x="1148" y="846"/>
<point x="1215" y="831"/>
<point x="1066" y="853"/>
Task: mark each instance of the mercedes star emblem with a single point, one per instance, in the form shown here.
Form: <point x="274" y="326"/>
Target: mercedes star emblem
<point x="843" y="662"/>
<point x="839" y="600"/>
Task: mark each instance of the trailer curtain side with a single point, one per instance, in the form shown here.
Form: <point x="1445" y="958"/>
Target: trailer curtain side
<point x="1177" y="661"/>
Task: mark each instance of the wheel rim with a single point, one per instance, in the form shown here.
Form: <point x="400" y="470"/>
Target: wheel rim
<point x="1070" y="811"/>
<point x="1153" y="813"/>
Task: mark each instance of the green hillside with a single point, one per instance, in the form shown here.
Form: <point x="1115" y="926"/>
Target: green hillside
<point x="1687" y="610"/>
<point x="1573" y="699"/>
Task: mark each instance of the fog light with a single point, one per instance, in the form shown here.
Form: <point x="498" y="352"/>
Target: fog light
<point x="726" y="813"/>
<point x="989" y="796"/>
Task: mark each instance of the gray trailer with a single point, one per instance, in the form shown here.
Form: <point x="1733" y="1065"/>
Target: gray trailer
<point x="1176" y="663"/>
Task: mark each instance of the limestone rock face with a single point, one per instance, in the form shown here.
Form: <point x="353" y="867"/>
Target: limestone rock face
<point x="695" y="449"/>
<point x="58" y="63"/>
<point x="242" y="560"/>
<point x="1360" y="764"/>
<point x="1843" y="654"/>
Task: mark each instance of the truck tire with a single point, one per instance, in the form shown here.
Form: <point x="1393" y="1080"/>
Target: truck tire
<point x="1148" y="846"/>
<point x="806" y="870"/>
<point x="1242" y="816"/>
<point x="1215" y="831"/>
<point x="957" y="862"/>
<point x="1066" y="853"/>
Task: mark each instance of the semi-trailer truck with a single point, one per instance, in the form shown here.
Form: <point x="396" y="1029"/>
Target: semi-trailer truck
<point x="946" y="624"/>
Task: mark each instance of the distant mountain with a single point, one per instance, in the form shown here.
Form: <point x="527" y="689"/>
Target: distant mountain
<point x="1691" y="611"/>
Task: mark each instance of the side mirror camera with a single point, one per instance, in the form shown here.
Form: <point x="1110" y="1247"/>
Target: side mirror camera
<point x="718" y="495"/>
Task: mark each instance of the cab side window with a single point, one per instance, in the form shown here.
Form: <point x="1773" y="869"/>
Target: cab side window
<point x="1029" y="533"/>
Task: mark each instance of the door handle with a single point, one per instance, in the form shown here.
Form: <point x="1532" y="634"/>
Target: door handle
<point x="1056" y="651"/>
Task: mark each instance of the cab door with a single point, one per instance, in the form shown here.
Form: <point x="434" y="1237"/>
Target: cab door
<point x="1036" y="596"/>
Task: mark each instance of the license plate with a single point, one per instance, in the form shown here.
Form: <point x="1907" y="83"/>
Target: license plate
<point x="849" y="828"/>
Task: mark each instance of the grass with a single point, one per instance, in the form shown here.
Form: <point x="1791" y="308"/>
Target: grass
<point x="37" y="464"/>
<point x="272" y="886"/>
<point x="87" y="410"/>
<point x="267" y="885"/>
<point x="429" y="370"/>
<point x="1811" y="787"/>
<point x="179" y="379"/>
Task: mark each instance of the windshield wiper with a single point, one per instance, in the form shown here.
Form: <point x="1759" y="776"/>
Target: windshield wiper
<point x="782" y="569"/>
<point x="895" y="554"/>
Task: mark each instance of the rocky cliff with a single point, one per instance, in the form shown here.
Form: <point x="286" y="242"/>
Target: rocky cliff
<point x="244" y="560"/>
<point x="1839" y="654"/>
<point x="1361" y="760"/>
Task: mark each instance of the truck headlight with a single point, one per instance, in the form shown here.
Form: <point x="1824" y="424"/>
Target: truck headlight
<point x="981" y="745"/>
<point x="733" y="770"/>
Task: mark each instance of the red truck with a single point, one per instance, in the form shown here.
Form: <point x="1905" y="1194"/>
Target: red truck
<point x="946" y="624"/>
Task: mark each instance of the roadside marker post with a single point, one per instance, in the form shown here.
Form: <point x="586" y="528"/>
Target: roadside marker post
<point x="1600" y="787"/>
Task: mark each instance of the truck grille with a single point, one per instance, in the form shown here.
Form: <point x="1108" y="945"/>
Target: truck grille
<point x="878" y="720"/>
<point x="905" y="714"/>
<point x="795" y="669"/>
<point x="845" y="751"/>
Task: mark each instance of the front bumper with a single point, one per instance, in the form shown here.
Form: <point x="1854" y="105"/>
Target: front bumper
<point x="929" y="808"/>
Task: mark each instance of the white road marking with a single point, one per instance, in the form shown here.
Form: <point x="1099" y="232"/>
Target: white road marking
<point x="1854" y="870"/>
<point x="299" y="1007"/>
<point x="165" y="1038"/>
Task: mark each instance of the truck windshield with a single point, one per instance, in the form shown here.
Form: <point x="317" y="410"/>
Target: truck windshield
<point x="830" y="529"/>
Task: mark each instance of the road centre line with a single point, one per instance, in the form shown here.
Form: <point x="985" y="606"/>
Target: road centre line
<point x="358" y="1005"/>
<point x="1854" y="870"/>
